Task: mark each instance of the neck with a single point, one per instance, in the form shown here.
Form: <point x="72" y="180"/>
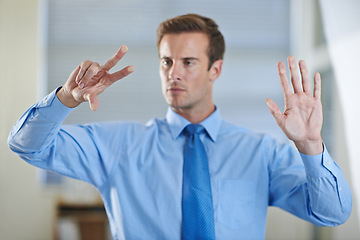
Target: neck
<point x="193" y="115"/>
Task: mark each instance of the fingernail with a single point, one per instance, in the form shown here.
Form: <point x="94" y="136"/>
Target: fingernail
<point x="131" y="68"/>
<point x="82" y="85"/>
<point x="124" y="48"/>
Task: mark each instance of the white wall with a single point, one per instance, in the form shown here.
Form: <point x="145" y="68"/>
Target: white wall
<point x="26" y="211"/>
<point x="309" y="42"/>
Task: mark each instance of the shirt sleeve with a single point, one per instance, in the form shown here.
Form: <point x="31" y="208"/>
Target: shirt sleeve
<point x="39" y="138"/>
<point x="38" y="124"/>
<point x="313" y="189"/>
<point x="330" y="192"/>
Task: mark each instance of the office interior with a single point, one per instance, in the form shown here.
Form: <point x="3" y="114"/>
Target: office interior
<point x="42" y="41"/>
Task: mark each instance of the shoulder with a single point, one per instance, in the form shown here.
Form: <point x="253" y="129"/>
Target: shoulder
<point x="234" y="132"/>
<point x="126" y="128"/>
<point x="231" y="130"/>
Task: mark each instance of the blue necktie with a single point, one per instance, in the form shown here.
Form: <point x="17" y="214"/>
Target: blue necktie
<point x="197" y="205"/>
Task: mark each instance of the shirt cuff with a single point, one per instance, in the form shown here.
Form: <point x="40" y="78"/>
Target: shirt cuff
<point x="53" y="109"/>
<point x="319" y="165"/>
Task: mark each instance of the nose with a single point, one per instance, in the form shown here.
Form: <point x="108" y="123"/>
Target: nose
<point x="175" y="73"/>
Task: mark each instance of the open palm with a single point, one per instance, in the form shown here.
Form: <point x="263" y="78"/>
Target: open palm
<point x="302" y="118"/>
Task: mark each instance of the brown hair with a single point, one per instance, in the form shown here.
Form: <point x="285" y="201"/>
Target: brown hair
<point x="195" y="23"/>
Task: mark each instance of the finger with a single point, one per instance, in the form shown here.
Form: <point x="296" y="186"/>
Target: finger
<point x="317" y="86"/>
<point x="71" y="80"/>
<point x="284" y="82"/>
<point x="295" y="80"/>
<point x="275" y="111"/>
<point x="305" y="76"/>
<point x="116" y="58"/>
<point x="91" y="71"/>
<point x="83" y="67"/>
<point x="93" y="101"/>
<point x="121" y="74"/>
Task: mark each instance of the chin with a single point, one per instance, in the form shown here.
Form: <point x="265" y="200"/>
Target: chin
<point x="172" y="103"/>
<point x="175" y="105"/>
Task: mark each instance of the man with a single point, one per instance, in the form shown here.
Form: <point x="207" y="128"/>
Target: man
<point x="142" y="171"/>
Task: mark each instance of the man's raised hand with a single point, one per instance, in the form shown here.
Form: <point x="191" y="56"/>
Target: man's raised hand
<point x="302" y="118"/>
<point x="90" y="79"/>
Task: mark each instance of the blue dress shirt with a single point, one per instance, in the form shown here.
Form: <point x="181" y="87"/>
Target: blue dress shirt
<point x="138" y="171"/>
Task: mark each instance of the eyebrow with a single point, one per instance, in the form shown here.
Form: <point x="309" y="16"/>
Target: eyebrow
<point x="184" y="59"/>
<point x="190" y="58"/>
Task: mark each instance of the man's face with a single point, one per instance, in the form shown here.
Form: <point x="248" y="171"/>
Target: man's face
<point x="186" y="81"/>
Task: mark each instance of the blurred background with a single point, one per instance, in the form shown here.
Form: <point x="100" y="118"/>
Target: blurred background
<point x="42" y="41"/>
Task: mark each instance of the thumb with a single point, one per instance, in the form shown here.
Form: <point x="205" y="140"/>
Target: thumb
<point x="275" y="111"/>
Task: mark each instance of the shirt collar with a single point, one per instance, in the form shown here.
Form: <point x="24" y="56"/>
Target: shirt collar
<point x="177" y="123"/>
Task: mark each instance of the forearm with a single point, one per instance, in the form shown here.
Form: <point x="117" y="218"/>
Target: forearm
<point x="319" y="193"/>
<point x="38" y="126"/>
<point x="40" y="139"/>
<point x="330" y="197"/>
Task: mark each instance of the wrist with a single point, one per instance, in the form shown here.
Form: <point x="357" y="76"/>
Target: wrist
<point x="310" y="147"/>
<point x="66" y="98"/>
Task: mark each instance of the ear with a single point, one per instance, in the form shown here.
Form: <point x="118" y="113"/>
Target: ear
<point x="215" y="70"/>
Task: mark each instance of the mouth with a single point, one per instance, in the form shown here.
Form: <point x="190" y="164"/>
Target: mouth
<point x="175" y="90"/>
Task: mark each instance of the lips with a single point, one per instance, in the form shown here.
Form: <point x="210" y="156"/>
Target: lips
<point x="175" y="90"/>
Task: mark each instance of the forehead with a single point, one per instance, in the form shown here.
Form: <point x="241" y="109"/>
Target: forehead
<point x="192" y="44"/>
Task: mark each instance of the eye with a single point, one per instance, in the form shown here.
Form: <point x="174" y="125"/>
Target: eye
<point x="166" y="62"/>
<point x="188" y="63"/>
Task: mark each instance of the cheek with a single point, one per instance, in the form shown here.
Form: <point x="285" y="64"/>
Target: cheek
<point x="201" y="80"/>
<point x="162" y="75"/>
<point x="163" y="80"/>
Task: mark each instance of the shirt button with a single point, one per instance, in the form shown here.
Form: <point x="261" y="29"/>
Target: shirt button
<point x="329" y="162"/>
<point x="46" y="100"/>
<point x="340" y="188"/>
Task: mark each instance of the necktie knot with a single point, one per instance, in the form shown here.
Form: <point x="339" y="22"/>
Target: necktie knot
<point x="194" y="128"/>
